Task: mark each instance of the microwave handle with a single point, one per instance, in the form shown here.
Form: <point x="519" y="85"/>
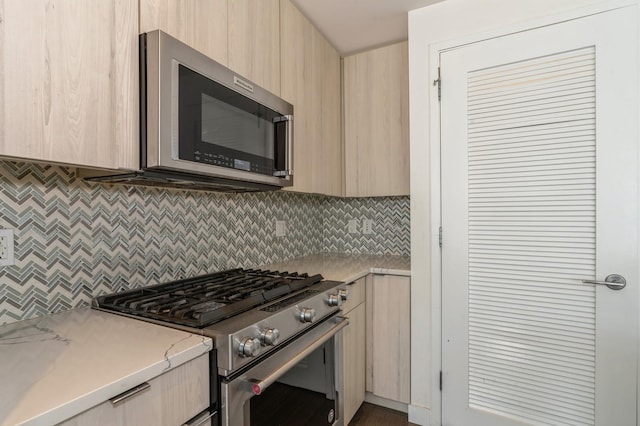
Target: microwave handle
<point x="288" y="163"/>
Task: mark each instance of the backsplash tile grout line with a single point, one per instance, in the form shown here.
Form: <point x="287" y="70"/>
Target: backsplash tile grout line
<point x="75" y="240"/>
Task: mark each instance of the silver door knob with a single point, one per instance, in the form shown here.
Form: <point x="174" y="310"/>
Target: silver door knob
<point x="613" y="281"/>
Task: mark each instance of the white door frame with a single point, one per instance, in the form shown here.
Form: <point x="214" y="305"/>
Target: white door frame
<point x="434" y="51"/>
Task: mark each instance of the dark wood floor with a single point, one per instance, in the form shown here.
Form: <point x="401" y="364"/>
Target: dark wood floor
<point x="374" y="415"/>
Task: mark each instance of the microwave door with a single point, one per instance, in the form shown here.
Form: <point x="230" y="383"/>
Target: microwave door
<point x="221" y="127"/>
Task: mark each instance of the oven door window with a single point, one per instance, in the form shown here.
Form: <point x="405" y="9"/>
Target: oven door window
<point x="221" y="127"/>
<point x="305" y="395"/>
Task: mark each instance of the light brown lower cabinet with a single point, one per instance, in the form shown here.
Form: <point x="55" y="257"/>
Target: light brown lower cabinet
<point x="170" y="399"/>
<point x="353" y="352"/>
<point x="388" y="337"/>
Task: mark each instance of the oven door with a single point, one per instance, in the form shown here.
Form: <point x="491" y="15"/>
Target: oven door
<point x="297" y="385"/>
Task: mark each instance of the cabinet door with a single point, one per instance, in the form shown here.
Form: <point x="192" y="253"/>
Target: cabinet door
<point x="388" y="338"/>
<point x="310" y="71"/>
<point x="254" y="41"/>
<point x="353" y="356"/>
<point x="202" y="24"/>
<point x="69" y="82"/>
<point x="376" y="122"/>
<point x="331" y="172"/>
<point x="171" y="399"/>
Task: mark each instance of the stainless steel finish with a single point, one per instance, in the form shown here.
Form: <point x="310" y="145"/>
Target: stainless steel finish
<point x="289" y="145"/>
<point x="613" y="281"/>
<point x="228" y="334"/>
<point x="235" y="393"/>
<point x="249" y="347"/>
<point x="344" y="293"/>
<point x="258" y="386"/>
<point x="270" y="336"/>
<point x="163" y="56"/>
<point x="307" y="314"/>
<point x="242" y="83"/>
<point x="289" y="161"/>
<point x="128" y="394"/>
<point x="334" y="300"/>
<point x="201" y="419"/>
<point x="165" y="178"/>
<point x="167" y="53"/>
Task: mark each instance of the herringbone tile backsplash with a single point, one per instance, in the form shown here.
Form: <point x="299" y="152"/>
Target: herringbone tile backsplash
<point x="75" y="240"/>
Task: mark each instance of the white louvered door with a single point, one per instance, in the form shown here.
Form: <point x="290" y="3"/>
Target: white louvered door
<point x="539" y="145"/>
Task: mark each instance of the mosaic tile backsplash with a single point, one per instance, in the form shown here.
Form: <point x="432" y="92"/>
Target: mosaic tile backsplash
<point x="75" y="240"/>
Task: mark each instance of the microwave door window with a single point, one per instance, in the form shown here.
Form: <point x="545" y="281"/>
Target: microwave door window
<point x="228" y="126"/>
<point x="221" y="127"/>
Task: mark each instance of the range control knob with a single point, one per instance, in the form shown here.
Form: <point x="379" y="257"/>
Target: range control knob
<point x="334" y="300"/>
<point x="269" y="336"/>
<point x="249" y="347"/>
<point x="343" y="293"/>
<point x="307" y="314"/>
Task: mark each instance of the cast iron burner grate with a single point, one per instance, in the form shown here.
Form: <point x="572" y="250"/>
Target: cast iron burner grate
<point x="207" y="299"/>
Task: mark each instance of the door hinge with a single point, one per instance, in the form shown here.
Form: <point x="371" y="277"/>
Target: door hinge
<point x="441" y="381"/>
<point x="440" y="237"/>
<point x="438" y="83"/>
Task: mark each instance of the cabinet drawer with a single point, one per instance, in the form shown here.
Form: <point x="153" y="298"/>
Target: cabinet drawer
<point x="169" y="399"/>
<point x="356" y="295"/>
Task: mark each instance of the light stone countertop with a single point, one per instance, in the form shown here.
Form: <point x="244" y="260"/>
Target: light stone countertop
<point x="57" y="366"/>
<point x="345" y="267"/>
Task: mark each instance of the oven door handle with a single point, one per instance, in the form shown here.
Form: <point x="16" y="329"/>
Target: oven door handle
<point x="259" y="386"/>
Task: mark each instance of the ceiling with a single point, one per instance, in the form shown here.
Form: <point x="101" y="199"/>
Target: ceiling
<point x="356" y="25"/>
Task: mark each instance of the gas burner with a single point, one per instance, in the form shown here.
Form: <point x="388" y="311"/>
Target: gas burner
<point x="207" y="299"/>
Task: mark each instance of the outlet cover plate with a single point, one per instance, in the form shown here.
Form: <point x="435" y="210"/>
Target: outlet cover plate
<point x="353" y="226"/>
<point x="367" y="226"/>
<point x="6" y="247"/>
<point x="281" y="228"/>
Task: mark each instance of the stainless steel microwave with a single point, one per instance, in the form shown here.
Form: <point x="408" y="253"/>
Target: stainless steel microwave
<point x="204" y="126"/>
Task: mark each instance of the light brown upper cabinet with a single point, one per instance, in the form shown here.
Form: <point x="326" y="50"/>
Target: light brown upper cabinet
<point x="310" y="80"/>
<point x="69" y="82"/>
<point x="376" y="122"/>
<point x="241" y="34"/>
<point x="254" y="41"/>
<point x="202" y="24"/>
<point x="331" y="112"/>
<point x="69" y="90"/>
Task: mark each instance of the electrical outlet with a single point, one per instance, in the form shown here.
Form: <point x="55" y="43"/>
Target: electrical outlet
<point x="367" y="226"/>
<point x="6" y="247"/>
<point x="353" y="226"/>
<point x="281" y="228"/>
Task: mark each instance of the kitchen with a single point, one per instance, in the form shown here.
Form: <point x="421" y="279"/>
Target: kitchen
<point x="108" y="239"/>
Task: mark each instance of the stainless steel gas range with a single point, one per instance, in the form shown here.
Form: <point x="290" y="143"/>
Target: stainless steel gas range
<point x="277" y="357"/>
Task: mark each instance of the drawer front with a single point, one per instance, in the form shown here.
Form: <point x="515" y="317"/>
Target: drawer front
<point x="169" y="399"/>
<point x="356" y="295"/>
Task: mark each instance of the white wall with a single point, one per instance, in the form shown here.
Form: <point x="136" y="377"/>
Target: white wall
<point x="445" y="21"/>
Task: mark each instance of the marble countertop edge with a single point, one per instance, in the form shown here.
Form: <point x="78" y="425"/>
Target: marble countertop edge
<point x="99" y="395"/>
<point x="53" y="367"/>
